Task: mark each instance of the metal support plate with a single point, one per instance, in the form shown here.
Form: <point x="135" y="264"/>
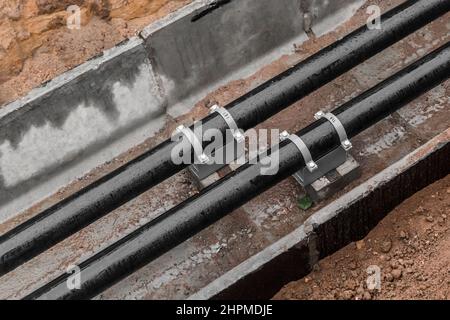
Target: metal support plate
<point x="233" y="149"/>
<point x="325" y="164"/>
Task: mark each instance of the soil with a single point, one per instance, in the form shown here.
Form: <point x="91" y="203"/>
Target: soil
<point x="410" y="246"/>
<point x="36" y="45"/>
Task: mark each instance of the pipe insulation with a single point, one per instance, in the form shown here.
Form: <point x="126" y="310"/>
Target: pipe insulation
<point x="195" y="214"/>
<point x="120" y="186"/>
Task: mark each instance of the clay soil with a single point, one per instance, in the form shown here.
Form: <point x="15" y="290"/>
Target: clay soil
<point x="36" y="45"/>
<point x="410" y="246"/>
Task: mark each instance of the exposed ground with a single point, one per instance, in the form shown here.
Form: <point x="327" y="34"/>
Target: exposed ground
<point x="411" y="247"/>
<point x="274" y="213"/>
<point x="36" y="45"/>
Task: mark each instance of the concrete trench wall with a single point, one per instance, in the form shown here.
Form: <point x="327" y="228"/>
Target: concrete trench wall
<point x="99" y="110"/>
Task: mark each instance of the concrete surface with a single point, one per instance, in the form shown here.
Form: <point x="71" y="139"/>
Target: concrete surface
<point x="78" y="121"/>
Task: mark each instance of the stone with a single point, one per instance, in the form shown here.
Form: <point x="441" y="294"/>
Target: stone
<point x="389" y="277"/>
<point x="347" y="295"/>
<point x="386" y="246"/>
<point x="397" y="274"/>
<point x="360" y="244"/>
<point x="367" y="296"/>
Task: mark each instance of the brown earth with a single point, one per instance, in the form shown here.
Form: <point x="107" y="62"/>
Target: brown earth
<point x="411" y="247"/>
<point x="36" y="45"/>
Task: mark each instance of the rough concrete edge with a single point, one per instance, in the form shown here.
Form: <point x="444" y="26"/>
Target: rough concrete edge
<point x="174" y="16"/>
<point x="305" y="239"/>
<point x="11" y="111"/>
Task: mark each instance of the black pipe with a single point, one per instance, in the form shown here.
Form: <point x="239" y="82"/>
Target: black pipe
<point x="91" y="203"/>
<point x="193" y="215"/>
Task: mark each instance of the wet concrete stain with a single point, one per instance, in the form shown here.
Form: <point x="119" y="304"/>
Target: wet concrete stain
<point x="93" y="89"/>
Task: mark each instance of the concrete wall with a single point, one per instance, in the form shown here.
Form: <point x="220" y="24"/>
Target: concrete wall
<point x="97" y="111"/>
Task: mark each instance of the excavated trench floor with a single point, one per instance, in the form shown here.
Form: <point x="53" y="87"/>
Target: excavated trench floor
<point x="185" y="270"/>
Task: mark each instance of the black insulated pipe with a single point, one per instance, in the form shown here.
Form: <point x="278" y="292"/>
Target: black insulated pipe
<point x="193" y="215"/>
<point x="96" y="200"/>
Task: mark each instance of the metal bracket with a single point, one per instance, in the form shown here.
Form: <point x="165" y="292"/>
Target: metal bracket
<point x="195" y="143"/>
<point x="310" y="164"/>
<point x="237" y="146"/>
<point x="315" y="169"/>
<point x="345" y="142"/>
<point x="237" y="133"/>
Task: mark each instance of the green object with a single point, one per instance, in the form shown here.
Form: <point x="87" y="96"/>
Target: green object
<point x="305" y="203"/>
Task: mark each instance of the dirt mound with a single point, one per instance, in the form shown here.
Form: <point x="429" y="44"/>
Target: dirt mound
<point x="410" y="247"/>
<point x="36" y="45"/>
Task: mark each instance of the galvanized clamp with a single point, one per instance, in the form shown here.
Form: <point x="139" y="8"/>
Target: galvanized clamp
<point x="195" y="143"/>
<point x="346" y="144"/>
<point x="311" y="165"/>
<point x="237" y="133"/>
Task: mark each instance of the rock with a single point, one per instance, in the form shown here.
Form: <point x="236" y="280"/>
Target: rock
<point x="386" y="246"/>
<point x="389" y="277"/>
<point x="403" y="235"/>
<point x="429" y="219"/>
<point x="397" y="274"/>
<point x="347" y="295"/>
<point x="101" y="8"/>
<point x="50" y="6"/>
<point x="316" y="268"/>
<point x="367" y="296"/>
<point x="350" y="284"/>
<point x="360" y="244"/>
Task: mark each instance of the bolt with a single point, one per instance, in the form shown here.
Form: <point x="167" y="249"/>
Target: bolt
<point x="204" y="158"/>
<point x="319" y="115"/>
<point x="284" y="135"/>
<point x="311" y="165"/>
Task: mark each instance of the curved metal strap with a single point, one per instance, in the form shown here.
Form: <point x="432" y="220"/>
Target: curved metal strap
<point x="311" y="165"/>
<point x="195" y="143"/>
<point x="346" y="144"/>
<point x="237" y="133"/>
